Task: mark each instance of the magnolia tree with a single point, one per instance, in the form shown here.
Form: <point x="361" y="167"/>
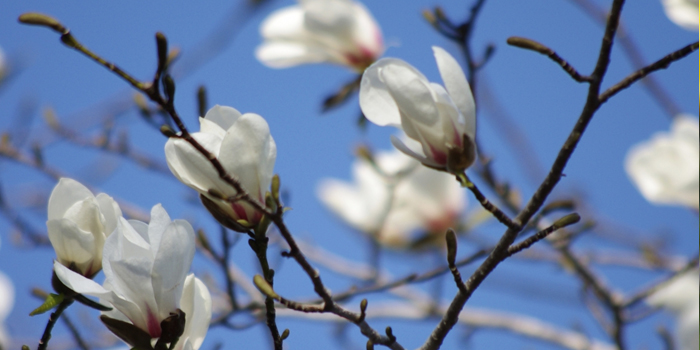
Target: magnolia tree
<point x="440" y="230"/>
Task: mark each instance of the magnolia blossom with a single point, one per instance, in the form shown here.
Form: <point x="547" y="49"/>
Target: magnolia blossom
<point x="665" y="168"/>
<point x="681" y="297"/>
<point x="682" y="12"/>
<point x="334" y="31"/>
<point x="442" y="120"/>
<point x="78" y="223"/>
<point x="245" y="148"/>
<point x="146" y="278"/>
<point x="390" y="209"/>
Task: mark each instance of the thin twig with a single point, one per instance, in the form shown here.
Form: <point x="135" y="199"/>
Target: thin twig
<point x="44" y="342"/>
<point x="532" y="45"/>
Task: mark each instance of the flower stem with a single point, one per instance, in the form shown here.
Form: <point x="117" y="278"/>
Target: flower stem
<point x="44" y="342"/>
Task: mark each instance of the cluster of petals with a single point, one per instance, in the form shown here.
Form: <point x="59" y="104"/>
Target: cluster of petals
<point x="681" y="297"/>
<point x="332" y="31"/>
<point x="147" y="278"/>
<point x="441" y="119"/>
<point x="666" y="168"/>
<point x="682" y="12"/>
<point x="243" y="145"/>
<point x="393" y="201"/>
<point x="78" y="224"/>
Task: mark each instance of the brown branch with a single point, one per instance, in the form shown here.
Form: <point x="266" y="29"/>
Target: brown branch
<point x="532" y="45"/>
<point x="643" y="72"/>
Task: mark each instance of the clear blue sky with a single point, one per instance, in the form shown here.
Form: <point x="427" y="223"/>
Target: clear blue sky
<point x="542" y="102"/>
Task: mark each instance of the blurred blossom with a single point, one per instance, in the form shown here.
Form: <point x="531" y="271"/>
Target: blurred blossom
<point x="7" y="300"/>
<point x="443" y="120"/>
<point x="78" y="223"/>
<point x="146" y="278"/>
<point x="665" y="169"/>
<point x="334" y="31"/>
<point x="245" y="148"/>
<point x="390" y="206"/>
<point x="3" y="64"/>
<point x="682" y="12"/>
<point x="681" y="297"/>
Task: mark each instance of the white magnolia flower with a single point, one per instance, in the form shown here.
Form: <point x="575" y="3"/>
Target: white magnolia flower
<point x="421" y="198"/>
<point x="146" y="277"/>
<point x="665" y="168"/>
<point x="334" y="31"/>
<point x="7" y="300"/>
<point x="682" y="12"/>
<point x="681" y="297"/>
<point x="442" y="120"/>
<point x="78" y="223"/>
<point x="245" y="148"/>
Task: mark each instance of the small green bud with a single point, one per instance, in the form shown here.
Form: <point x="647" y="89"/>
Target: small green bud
<point x="40" y="19"/>
<point x="264" y="287"/>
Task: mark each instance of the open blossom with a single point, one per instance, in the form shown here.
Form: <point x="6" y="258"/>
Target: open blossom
<point x="681" y="297"/>
<point x="666" y="168"/>
<point x="146" y="270"/>
<point x="442" y="120"/>
<point x="420" y="198"/>
<point x="334" y="31"/>
<point x="682" y="12"/>
<point x="78" y="224"/>
<point x="244" y="147"/>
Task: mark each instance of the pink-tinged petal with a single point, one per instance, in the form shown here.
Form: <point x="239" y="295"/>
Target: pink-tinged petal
<point x="376" y="102"/>
<point x="457" y="86"/>
<point x="66" y="193"/>
<point x="367" y="33"/>
<point x="222" y="116"/>
<point x="411" y="153"/>
<point x="249" y="152"/>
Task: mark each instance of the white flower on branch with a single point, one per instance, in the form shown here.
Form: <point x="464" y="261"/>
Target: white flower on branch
<point x="681" y="297"/>
<point x="391" y="202"/>
<point x="441" y="119"/>
<point x="682" y="12"/>
<point x="146" y="270"/>
<point x="333" y="31"/>
<point x="665" y="169"/>
<point x="78" y="224"/>
<point x="244" y="147"/>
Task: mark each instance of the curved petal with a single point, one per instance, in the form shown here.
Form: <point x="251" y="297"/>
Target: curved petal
<point x="682" y="12"/>
<point x="196" y="302"/>
<point x="412" y="93"/>
<point x="73" y="245"/>
<point x="367" y="33"/>
<point x="64" y="195"/>
<point x="222" y="116"/>
<point x="79" y="283"/>
<point x="457" y="86"/>
<point x="376" y="102"/>
<point x="285" y="23"/>
<point x="191" y="167"/>
<point x="110" y="211"/>
<point x="249" y="152"/>
<point x="171" y="265"/>
<point x="411" y="153"/>
<point x="284" y="54"/>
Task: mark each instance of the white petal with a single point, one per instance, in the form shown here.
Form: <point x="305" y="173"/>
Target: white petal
<point x="171" y="265"/>
<point x="222" y="116"/>
<point x="196" y="303"/>
<point x="79" y="283"/>
<point x="192" y="168"/>
<point x="64" y="195"/>
<point x="412" y="94"/>
<point x="73" y="245"/>
<point x="284" y="54"/>
<point x="160" y="220"/>
<point x="7" y="296"/>
<point x="375" y="100"/>
<point x="249" y="152"/>
<point x="110" y="211"/>
<point x="682" y="12"/>
<point x="367" y="33"/>
<point x="457" y="86"/>
<point x="411" y="153"/>
<point x="285" y="23"/>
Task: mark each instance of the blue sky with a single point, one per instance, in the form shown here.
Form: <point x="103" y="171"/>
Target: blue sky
<point x="539" y="99"/>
